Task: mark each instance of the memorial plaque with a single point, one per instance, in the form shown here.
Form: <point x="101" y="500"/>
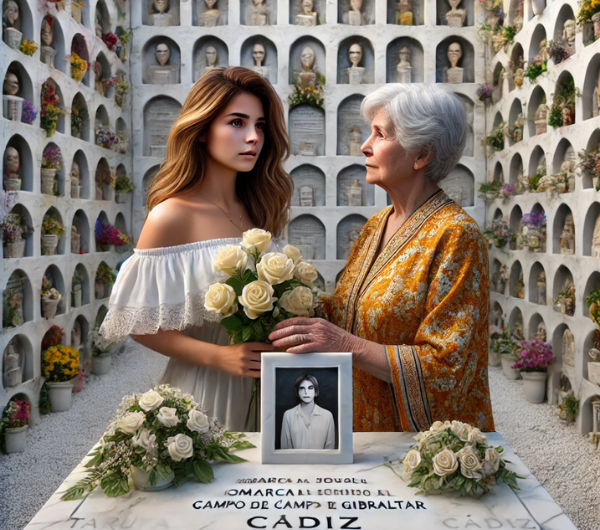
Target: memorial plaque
<point x="350" y="124"/>
<point x="345" y="181"/>
<point x="459" y="185"/>
<point x="348" y="231"/>
<point x="312" y="178"/>
<point x="159" y="116"/>
<point x="308" y="234"/>
<point x="355" y="75"/>
<point x="307" y="131"/>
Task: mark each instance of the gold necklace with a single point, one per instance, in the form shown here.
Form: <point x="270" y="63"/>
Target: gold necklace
<point x="226" y="214"/>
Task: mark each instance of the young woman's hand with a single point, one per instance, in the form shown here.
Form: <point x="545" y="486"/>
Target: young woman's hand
<point x="241" y="360"/>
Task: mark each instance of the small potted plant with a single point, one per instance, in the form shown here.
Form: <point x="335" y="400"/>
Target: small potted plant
<point x="589" y="12"/>
<point x="29" y="113"/>
<point x="565" y="301"/>
<point x="14" y="234"/>
<point x="569" y="408"/>
<point x="79" y="66"/>
<point x="506" y="347"/>
<point x="121" y="90"/>
<point x="495" y="141"/>
<point x="101" y="352"/>
<point x="50" y="299"/>
<point x="60" y="365"/>
<point x="123" y="186"/>
<point x="15" y="420"/>
<point x="535" y="69"/>
<point x="105" y="136"/>
<point x="534" y="358"/>
<point x="558" y="52"/>
<point x="28" y="47"/>
<point x="498" y="234"/>
<point x="51" y="164"/>
<point x="105" y="279"/>
<point x="76" y="289"/>
<point x="107" y="235"/>
<point x="489" y="190"/>
<point x="52" y="231"/>
<point x="507" y="191"/>
<point x="51" y="110"/>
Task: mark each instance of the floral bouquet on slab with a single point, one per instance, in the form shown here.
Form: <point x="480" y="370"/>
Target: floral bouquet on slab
<point x="263" y="289"/>
<point x="454" y="456"/>
<point x="157" y="439"/>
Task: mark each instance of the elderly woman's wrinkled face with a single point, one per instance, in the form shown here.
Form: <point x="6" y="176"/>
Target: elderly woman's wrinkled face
<point x="356" y="5"/>
<point x="163" y="54"/>
<point x="307" y="58"/>
<point x="161" y="5"/>
<point x="258" y="54"/>
<point x="454" y="54"/>
<point x="355" y="55"/>
<point x="11" y="84"/>
<point x="211" y="56"/>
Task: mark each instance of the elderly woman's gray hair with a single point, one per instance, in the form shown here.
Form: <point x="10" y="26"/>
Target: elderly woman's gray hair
<point x="424" y="117"/>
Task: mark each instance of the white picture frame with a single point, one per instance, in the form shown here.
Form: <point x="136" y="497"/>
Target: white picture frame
<point x="281" y="407"/>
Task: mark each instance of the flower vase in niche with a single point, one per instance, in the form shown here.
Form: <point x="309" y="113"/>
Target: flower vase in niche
<point x="12" y="166"/>
<point x="404" y="15"/>
<point x="568" y="36"/>
<point x="159" y="13"/>
<point x="12" y="366"/>
<point x="355" y="194"/>
<point x="211" y="57"/>
<point x="404" y="69"/>
<point x="307" y="196"/>
<point x="75" y="183"/>
<point x="259" y="54"/>
<point x="567" y="237"/>
<point x="163" y="73"/>
<point x="258" y="14"/>
<point x="355" y="15"/>
<point x="355" y="73"/>
<point x="455" y="17"/>
<point x="307" y="17"/>
<point x="454" y="74"/>
<point x="355" y="142"/>
<point x="47" y="52"/>
<point x="541" y="289"/>
<point x="210" y="16"/>
<point x="11" y="23"/>
<point x="12" y="104"/>
<point x="541" y="119"/>
<point x="569" y="351"/>
<point x="596" y="240"/>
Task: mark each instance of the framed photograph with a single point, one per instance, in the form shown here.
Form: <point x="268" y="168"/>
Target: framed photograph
<point x="306" y="408"/>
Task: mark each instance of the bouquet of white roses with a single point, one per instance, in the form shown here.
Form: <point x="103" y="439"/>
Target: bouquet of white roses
<point x="263" y="288"/>
<point x="455" y="456"/>
<point x="163" y="432"/>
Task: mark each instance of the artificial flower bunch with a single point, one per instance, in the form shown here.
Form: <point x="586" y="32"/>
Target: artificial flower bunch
<point x="534" y="356"/>
<point x="105" y="136"/>
<point x="163" y="431"/>
<point x="16" y="414"/>
<point x="48" y="292"/>
<point x="593" y="301"/>
<point x="51" y="110"/>
<point x="263" y="288"/>
<point x="52" y="158"/>
<point x="51" y="225"/>
<point x="110" y="39"/>
<point x="60" y="363"/>
<point x="498" y="234"/>
<point x="100" y="345"/>
<point x="454" y="456"/>
<point x="14" y="229"/>
<point x="53" y="337"/>
<point x="29" y="113"/>
<point x="109" y="235"/>
<point x="28" y="47"/>
<point x="105" y="274"/>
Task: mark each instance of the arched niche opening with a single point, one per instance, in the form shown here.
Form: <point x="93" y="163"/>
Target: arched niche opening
<point x="537" y="118"/>
<point x="515" y="66"/>
<point x="309" y="186"/>
<point x="210" y="52"/>
<point x="51" y="89"/>
<point x="592" y="341"/>
<point x="53" y="171"/>
<point x="259" y="13"/>
<point x="498" y="175"/>
<point x="592" y="283"/>
<point x="363" y="16"/>
<point x="79" y="332"/>
<point x="309" y="17"/>
<point x="104" y="189"/>
<point x="515" y="220"/>
<point x="161" y="62"/>
<point x="498" y="214"/>
<point x="459" y="185"/>
<point x="591" y="231"/>
<point x="54" y="279"/>
<point x="17" y="299"/>
<point x="565" y="33"/>
<point x="498" y="82"/>
<point x="537" y="38"/>
<point x="102" y="75"/>
<point x="147" y="182"/>
<point x="516" y="282"/>
<point x="470" y="110"/>
<point x="348" y="230"/>
<point x="496" y="318"/>
<point x="562" y="358"/>
<point x="52" y="43"/>
<point x="352" y="129"/>
<point x="588" y="177"/>
<point x="515" y="324"/>
<point x="443" y="71"/>
<point x="122" y="137"/>
<point x="160" y="113"/>
<point x="18" y="163"/>
<point x="563" y="231"/>
<point x="210" y="13"/>
<point x="80" y="118"/>
<point x="296" y="49"/>
<point x="103" y="219"/>
<point x="537" y="284"/>
<point x="399" y="13"/>
<point x="102" y="22"/>
<point x="591" y="91"/>
<point x="17" y="88"/>
<point x="121" y="225"/>
<point x="537" y="162"/>
<point x="79" y="47"/>
<point x="80" y="176"/>
<point x="307" y="233"/>
<point x="364" y="72"/>
<point x="400" y="73"/>
<point x="562" y="279"/>
<point x="565" y="163"/>
<point x="516" y="169"/>
<point x="260" y="54"/>
<point x="100" y="315"/>
<point x="563" y="149"/>
<point x="80" y="233"/>
<point x="516" y="14"/>
<point x="307" y="130"/>
<point x="535" y="224"/>
<point x="496" y="281"/>
<point x="153" y="13"/>
<point x="21" y="216"/>
<point x="352" y="187"/>
<point x="537" y="326"/>
<point x="53" y="214"/>
<point x="22" y="28"/>
<point x="564" y="98"/>
<point x="515" y="122"/>
<point x="101" y="125"/>
<point x="462" y="15"/>
<point x="498" y="121"/>
<point x="17" y="356"/>
<point x="121" y="174"/>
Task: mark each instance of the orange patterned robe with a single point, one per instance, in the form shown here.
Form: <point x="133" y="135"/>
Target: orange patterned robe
<point x="426" y="298"/>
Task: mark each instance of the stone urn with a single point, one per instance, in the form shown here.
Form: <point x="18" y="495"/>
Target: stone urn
<point x="49" y="307"/>
<point x="76" y="296"/>
<point x="75" y="191"/>
<point x="15" y="439"/>
<point x="16" y="249"/>
<point x="60" y="396"/>
<point x="141" y="480"/>
<point x="507" y="361"/>
<point x="596" y="22"/>
<point x="49" y="244"/>
<point x="120" y="198"/>
<point x="534" y="384"/>
<point x="538" y="6"/>
<point x="101" y="364"/>
<point x="12" y="184"/>
<point x="14" y="376"/>
<point x="48" y="179"/>
<point x="13" y="37"/>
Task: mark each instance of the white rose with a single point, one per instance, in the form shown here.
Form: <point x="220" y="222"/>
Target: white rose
<point x="256" y="239"/>
<point x="180" y="447"/>
<point x="150" y="400"/>
<point x="298" y="301"/>
<point x="445" y="463"/>
<point x="491" y="463"/>
<point x="438" y="426"/>
<point x="197" y="421"/>
<point x="470" y="466"/>
<point x="167" y="416"/>
<point x="220" y="298"/>
<point x="477" y="437"/>
<point x="257" y="297"/>
<point x="411" y="461"/>
<point x="305" y="272"/>
<point x="275" y="268"/>
<point x="145" y="440"/>
<point x="132" y="422"/>
<point x="230" y="259"/>
<point x="462" y="430"/>
<point x="293" y="253"/>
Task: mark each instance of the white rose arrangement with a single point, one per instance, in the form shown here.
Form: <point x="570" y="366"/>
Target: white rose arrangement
<point x="263" y="287"/>
<point x="454" y="456"/>
<point x="164" y="432"/>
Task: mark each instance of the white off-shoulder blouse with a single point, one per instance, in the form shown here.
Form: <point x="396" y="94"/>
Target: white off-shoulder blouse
<point x="164" y="288"/>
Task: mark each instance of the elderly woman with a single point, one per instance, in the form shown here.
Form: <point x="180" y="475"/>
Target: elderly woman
<point x="412" y="303"/>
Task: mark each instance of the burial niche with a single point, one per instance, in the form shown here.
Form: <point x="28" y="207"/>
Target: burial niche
<point x="209" y="53"/>
<point x="162" y="62"/>
<point x="355" y="61"/>
<point x="352" y="129"/>
<point x="159" y="115"/>
<point x="258" y="12"/>
<point x="348" y="231"/>
<point x="307" y="131"/>
<point x="160" y="13"/>
<point x="455" y="61"/>
<point x="404" y="61"/>
<point x="210" y="13"/>
<point x="307" y="13"/>
<point x="356" y="12"/>
<point x="17" y="300"/>
<point x="309" y="186"/>
<point x="307" y="233"/>
<point x="352" y="187"/>
<point x="459" y="185"/>
<point x="260" y="54"/>
<point x="455" y="13"/>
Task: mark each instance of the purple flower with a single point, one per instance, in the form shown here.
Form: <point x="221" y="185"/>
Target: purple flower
<point x="29" y="112"/>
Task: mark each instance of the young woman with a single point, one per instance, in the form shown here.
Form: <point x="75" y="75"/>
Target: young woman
<point x="222" y="176"/>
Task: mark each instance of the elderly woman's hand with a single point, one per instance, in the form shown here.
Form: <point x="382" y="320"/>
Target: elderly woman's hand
<point x="306" y="335"/>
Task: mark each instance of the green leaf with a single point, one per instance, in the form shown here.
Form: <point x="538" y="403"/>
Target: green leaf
<point x="246" y="334"/>
<point x="222" y="455"/>
<point x="203" y="472"/>
<point x="237" y="285"/>
<point x="249" y="277"/>
<point x="242" y="444"/>
<point x="74" y="493"/>
<point x="232" y="324"/>
<point x="96" y="460"/>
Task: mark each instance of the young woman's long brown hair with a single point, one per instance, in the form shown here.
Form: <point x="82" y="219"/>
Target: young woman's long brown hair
<point x="265" y="191"/>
